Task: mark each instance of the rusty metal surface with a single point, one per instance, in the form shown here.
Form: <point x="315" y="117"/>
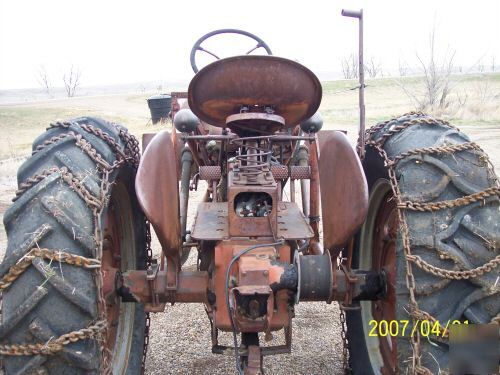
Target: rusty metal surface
<point x="295" y="172"/>
<point x="157" y="191"/>
<point x="146" y="138"/>
<point x="259" y="122"/>
<point x="384" y="258"/>
<point x="208" y="137"/>
<point x="221" y="88"/>
<point x="177" y="141"/>
<point x="210" y="172"/>
<point x="264" y="226"/>
<point x="192" y="287"/>
<point x="316" y="277"/>
<point x="280" y="172"/>
<point x="258" y="260"/>
<point x="344" y="195"/>
<point x="211" y="221"/>
<point x="314" y="192"/>
<point x="292" y="224"/>
<point x="298" y="172"/>
<point x="254" y="363"/>
<point x="361" y="69"/>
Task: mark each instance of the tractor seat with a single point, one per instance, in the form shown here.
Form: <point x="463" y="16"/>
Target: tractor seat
<point x="254" y="93"/>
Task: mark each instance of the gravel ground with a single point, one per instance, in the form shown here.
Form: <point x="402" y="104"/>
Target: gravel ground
<point x="180" y="342"/>
<point x="180" y="337"/>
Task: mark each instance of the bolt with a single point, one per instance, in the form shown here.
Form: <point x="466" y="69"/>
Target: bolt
<point x="266" y="273"/>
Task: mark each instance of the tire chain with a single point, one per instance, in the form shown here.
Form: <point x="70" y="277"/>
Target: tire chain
<point x="148" y="317"/>
<point x="463" y="201"/>
<point x="130" y="154"/>
<point x="56" y="345"/>
<point x="390" y="164"/>
<point x="345" y="342"/>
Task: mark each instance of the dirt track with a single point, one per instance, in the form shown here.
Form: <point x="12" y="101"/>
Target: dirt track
<point x="180" y="338"/>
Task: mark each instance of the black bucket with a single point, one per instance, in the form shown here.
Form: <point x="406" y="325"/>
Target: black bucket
<point x="159" y="106"/>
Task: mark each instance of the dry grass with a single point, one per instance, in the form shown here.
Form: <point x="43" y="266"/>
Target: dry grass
<point x="475" y="101"/>
<point x="180" y="341"/>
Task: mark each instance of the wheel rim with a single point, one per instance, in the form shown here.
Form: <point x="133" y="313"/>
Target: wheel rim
<point x="378" y="252"/>
<point x="118" y="256"/>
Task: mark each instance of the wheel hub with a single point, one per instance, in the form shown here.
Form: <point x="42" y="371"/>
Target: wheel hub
<point x="384" y="258"/>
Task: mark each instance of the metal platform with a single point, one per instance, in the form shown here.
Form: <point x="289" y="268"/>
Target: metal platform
<point x="211" y="222"/>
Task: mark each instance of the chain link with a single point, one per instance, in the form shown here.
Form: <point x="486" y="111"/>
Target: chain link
<point x="129" y="154"/>
<point x="54" y="346"/>
<point x="149" y="259"/>
<point x="345" y="343"/>
<point x="404" y="125"/>
<point x="61" y="256"/>
<point x="453" y="203"/>
<point x="436" y="150"/>
<point x="52" y="141"/>
<point x="410" y="279"/>
<point x="74" y="183"/>
<point x="378" y="144"/>
<point x="455" y="275"/>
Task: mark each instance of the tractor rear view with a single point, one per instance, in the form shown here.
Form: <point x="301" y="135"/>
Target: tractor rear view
<point x="409" y="231"/>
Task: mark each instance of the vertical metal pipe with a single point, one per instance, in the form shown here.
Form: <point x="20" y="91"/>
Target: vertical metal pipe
<point x="214" y="190"/>
<point x="314" y="214"/>
<point x="305" y="193"/>
<point x="186" y="162"/>
<point x="359" y="15"/>
<point x="361" y="90"/>
<point x="303" y="160"/>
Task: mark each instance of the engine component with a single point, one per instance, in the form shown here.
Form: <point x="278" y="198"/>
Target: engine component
<point x="316" y="277"/>
<point x="313" y="124"/>
<point x="185" y="121"/>
<point x="253" y="204"/>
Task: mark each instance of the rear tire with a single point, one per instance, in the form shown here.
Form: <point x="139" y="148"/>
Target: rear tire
<point x="457" y="238"/>
<point x="51" y="213"/>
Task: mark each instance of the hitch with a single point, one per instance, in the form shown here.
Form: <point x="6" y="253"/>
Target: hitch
<point x="309" y="278"/>
<point x="151" y="274"/>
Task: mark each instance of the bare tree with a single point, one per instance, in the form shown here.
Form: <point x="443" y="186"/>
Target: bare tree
<point x="44" y="79"/>
<point x="435" y="79"/>
<point x="492" y="63"/>
<point x="71" y="80"/>
<point x="403" y="68"/>
<point x="350" y="67"/>
<point x="483" y="90"/>
<point x="373" y="67"/>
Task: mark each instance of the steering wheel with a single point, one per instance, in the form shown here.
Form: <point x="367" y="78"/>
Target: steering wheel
<point x="197" y="46"/>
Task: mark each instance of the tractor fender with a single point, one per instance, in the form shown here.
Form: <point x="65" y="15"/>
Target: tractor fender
<point x="179" y="145"/>
<point x="344" y="190"/>
<point x="157" y="190"/>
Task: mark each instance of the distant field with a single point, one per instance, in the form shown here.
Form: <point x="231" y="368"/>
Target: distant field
<point x="478" y="116"/>
<point x="21" y="123"/>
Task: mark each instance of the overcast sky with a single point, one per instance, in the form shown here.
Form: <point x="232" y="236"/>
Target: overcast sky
<point x="114" y="42"/>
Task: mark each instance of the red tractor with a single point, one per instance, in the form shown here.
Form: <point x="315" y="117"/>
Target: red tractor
<point x="404" y="235"/>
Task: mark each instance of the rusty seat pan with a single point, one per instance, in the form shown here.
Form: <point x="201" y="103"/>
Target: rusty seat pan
<point x="221" y="88"/>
